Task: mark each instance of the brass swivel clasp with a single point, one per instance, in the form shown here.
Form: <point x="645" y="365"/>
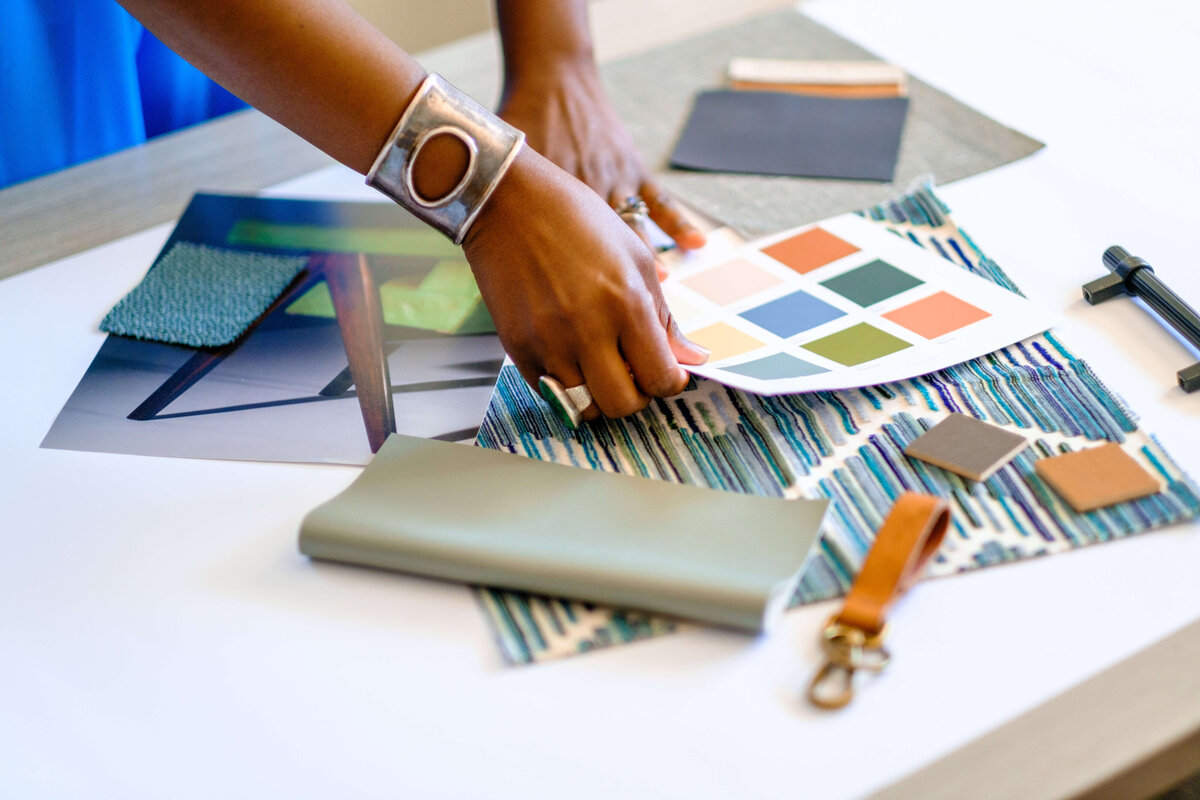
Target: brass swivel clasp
<point x="847" y="650"/>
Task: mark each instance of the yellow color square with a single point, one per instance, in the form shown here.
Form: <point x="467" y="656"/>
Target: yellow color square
<point x="724" y="341"/>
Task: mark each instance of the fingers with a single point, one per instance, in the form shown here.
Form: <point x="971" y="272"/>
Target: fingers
<point x="570" y="375"/>
<point x="652" y="363"/>
<point x="640" y="224"/>
<point x="614" y="393"/>
<point x="667" y="215"/>
<point x="655" y="347"/>
<point x="624" y="375"/>
<point x="646" y="363"/>
<point x="613" y="388"/>
<point x="664" y="212"/>
<point x="604" y="372"/>
<point x="684" y="349"/>
<point x="597" y="319"/>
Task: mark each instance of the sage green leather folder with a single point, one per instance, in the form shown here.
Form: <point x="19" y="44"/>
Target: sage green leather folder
<point x="469" y="514"/>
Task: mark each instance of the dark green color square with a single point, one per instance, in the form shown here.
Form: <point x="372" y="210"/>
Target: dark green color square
<point x="871" y="283"/>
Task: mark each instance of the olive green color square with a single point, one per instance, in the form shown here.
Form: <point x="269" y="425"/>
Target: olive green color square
<point x="857" y="344"/>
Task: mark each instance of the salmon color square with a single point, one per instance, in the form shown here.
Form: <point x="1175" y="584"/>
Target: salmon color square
<point x="810" y="250"/>
<point x="724" y="341"/>
<point x="936" y="315"/>
<point x="732" y="281"/>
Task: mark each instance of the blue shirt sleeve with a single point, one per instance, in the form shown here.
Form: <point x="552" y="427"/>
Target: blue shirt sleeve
<point x="81" y="78"/>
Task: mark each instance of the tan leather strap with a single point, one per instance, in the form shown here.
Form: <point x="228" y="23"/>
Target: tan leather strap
<point x="853" y="639"/>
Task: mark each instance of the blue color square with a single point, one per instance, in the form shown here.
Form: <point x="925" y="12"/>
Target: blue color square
<point x="780" y="365"/>
<point x="791" y="314"/>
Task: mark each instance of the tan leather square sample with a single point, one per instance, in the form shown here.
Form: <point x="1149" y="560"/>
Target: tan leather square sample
<point x="1097" y="477"/>
<point x="966" y="446"/>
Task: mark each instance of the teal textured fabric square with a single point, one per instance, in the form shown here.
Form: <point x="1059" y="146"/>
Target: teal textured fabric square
<point x="202" y="296"/>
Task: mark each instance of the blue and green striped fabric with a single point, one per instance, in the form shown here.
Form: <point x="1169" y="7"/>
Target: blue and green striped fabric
<point x="847" y="446"/>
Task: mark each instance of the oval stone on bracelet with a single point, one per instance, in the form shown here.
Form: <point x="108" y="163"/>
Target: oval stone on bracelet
<point x="439" y="108"/>
<point x="423" y="139"/>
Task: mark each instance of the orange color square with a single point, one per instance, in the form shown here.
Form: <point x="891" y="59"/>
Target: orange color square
<point x="810" y="250"/>
<point x="724" y="341"/>
<point x="936" y="315"/>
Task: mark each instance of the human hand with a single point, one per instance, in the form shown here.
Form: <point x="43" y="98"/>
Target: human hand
<point x="567" y="117"/>
<point x="572" y="291"/>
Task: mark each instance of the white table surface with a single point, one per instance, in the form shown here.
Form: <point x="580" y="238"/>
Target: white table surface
<point x="161" y="636"/>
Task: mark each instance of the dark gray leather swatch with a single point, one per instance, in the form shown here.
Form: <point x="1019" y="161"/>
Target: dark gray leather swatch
<point x="779" y="133"/>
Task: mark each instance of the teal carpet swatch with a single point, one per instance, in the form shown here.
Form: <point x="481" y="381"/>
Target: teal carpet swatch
<point x="202" y="296"/>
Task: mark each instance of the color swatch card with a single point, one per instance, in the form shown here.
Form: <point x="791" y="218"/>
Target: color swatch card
<point x="838" y="305"/>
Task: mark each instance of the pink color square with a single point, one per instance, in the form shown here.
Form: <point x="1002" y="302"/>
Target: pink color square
<point x="732" y="281"/>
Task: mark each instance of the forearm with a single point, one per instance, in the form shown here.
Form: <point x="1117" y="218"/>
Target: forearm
<point x="570" y="287"/>
<point x="554" y="92"/>
<point x="539" y="37"/>
<point x="315" y="66"/>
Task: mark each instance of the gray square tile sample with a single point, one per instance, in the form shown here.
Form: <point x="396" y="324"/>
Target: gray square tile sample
<point x="966" y="446"/>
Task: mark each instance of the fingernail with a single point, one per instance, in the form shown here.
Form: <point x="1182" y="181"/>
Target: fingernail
<point x="692" y="239"/>
<point x="701" y="351"/>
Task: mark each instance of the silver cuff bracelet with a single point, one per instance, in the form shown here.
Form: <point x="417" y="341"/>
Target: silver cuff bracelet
<point x="492" y="144"/>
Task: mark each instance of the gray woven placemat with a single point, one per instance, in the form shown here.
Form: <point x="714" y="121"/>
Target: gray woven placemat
<point x="653" y="92"/>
